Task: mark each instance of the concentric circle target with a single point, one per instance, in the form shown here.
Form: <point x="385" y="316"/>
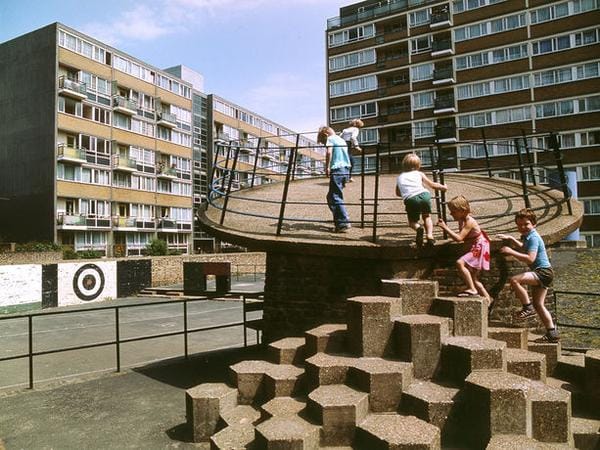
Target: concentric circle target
<point x="88" y="282"/>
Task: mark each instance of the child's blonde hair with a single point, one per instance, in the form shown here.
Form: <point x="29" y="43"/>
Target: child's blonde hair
<point x="357" y="123"/>
<point x="459" y="203"/>
<point x="322" y="135"/>
<point x="411" y="162"/>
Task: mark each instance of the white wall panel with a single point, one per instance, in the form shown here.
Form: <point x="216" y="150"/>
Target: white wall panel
<point x="20" y="284"/>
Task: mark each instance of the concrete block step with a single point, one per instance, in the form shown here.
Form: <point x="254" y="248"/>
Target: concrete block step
<point x="550" y="413"/>
<point x="495" y="403"/>
<point x="383" y="379"/>
<point x="418" y="339"/>
<point x="204" y="405"/>
<point x="571" y="367"/>
<point x="323" y="369"/>
<point x="592" y="380"/>
<point x="395" y="432"/>
<point x="283" y="380"/>
<point x="552" y="351"/>
<point x="579" y="401"/>
<point x="514" y="337"/>
<point x="417" y="295"/>
<point x="586" y="433"/>
<point x="436" y="403"/>
<point x="287" y="432"/>
<point x="284" y="406"/>
<point x="468" y="314"/>
<point x="240" y="415"/>
<point x="328" y="338"/>
<point x="370" y="325"/>
<point x="515" y="441"/>
<point x="234" y="437"/>
<point x="287" y="351"/>
<point x="338" y="408"/>
<point x="527" y="364"/>
<point x="465" y="354"/>
<point x="248" y="377"/>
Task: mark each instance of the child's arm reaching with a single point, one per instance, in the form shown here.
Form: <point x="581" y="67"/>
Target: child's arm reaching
<point x="462" y="234"/>
<point x="508" y="237"/>
<point x="432" y="184"/>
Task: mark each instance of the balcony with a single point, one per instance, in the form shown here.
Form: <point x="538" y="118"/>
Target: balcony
<point x="444" y="104"/>
<point x="167" y="120"/>
<point x="440" y="19"/>
<point x="124" y="105"/>
<point x="162" y="171"/>
<point x="123" y="163"/>
<point x="166" y="225"/>
<point x="443" y="75"/>
<point x="81" y="222"/>
<point x="133" y="223"/>
<point x="72" y="88"/>
<point x="66" y="153"/>
<point x="445" y="134"/>
<point x="441" y="47"/>
<point x="224" y="137"/>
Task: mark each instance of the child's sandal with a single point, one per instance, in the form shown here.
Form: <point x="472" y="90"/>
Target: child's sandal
<point x="525" y="313"/>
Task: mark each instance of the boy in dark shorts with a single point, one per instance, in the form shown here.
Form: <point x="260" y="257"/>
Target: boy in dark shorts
<point x="539" y="277"/>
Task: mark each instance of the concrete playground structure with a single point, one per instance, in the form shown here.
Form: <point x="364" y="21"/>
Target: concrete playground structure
<point x="367" y="346"/>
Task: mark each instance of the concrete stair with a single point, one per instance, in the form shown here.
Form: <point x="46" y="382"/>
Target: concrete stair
<point x="329" y="338"/>
<point x="370" y="325"/>
<point x="514" y="337"/>
<point x="287" y="351"/>
<point x="416" y="295"/>
<point x="527" y="364"/>
<point x="395" y="432"/>
<point x="468" y="314"/>
<point x="419" y="340"/>
<point x="287" y="432"/>
<point x="383" y="379"/>
<point x="435" y="403"/>
<point x="338" y="408"/>
<point x="463" y="355"/>
<point x="409" y="369"/>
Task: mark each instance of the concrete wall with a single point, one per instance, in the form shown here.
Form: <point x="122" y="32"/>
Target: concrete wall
<point x="27" y="135"/>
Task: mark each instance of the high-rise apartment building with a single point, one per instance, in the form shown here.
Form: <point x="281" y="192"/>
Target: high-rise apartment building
<point x="449" y="74"/>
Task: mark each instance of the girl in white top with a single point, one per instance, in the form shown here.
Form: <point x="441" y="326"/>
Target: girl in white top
<point x="350" y="135"/>
<point x="417" y="198"/>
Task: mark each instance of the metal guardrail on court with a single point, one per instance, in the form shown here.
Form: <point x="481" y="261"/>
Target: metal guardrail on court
<point x="117" y="341"/>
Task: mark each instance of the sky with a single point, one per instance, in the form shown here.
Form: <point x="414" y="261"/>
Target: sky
<point x="265" y="55"/>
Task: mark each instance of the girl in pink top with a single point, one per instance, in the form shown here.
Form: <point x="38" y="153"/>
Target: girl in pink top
<point x="478" y="258"/>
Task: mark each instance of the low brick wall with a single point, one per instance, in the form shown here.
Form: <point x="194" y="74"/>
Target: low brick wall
<point x="30" y="257"/>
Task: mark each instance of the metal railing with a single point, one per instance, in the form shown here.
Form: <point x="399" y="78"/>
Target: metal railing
<point x="31" y="354"/>
<point x="387" y="158"/>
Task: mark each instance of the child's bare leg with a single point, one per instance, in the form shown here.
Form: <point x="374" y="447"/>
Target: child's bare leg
<point x="428" y="225"/>
<point x="465" y="274"/>
<point x="414" y="225"/>
<point x="479" y="285"/>
<point x="539" y="297"/>
<point x="518" y="283"/>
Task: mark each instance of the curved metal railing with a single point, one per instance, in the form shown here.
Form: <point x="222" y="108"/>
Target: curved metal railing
<point x="243" y="165"/>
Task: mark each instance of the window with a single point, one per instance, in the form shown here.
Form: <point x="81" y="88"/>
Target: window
<point x="495" y="117"/>
<point x="352" y="60"/>
<point x="352" y="86"/>
<point x="491" y="27"/>
<point x="81" y="46"/>
<point x="422" y="100"/>
<point x="351" y="35"/>
<point x="353" y="112"/>
<point x="422" y="72"/>
<point x="492" y="57"/>
<point x="419" y="18"/>
<point x="420" y="45"/>
<point x="459" y="6"/>
<point x="589" y="173"/>
<point x="591" y="207"/>
<point x="423" y="129"/>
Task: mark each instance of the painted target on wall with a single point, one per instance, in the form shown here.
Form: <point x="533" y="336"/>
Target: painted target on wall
<point x="88" y="282"/>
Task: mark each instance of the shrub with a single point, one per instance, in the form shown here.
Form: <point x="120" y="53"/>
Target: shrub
<point x="69" y="253"/>
<point x="90" y="254"/>
<point x="157" y="247"/>
<point x="35" y="246"/>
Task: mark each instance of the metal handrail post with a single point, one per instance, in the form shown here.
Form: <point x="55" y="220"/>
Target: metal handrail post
<point x="522" y="174"/>
<point x="487" y="154"/>
<point x="362" y="188"/>
<point x="256" y="154"/>
<point x="30" y="339"/>
<point x="376" y="192"/>
<point x="117" y="339"/>
<point x="185" y="330"/>
<point x="286" y="186"/>
<point x="229" y="183"/>
<point x="561" y="170"/>
<point x="528" y="155"/>
<point x="213" y="169"/>
<point x="296" y="158"/>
